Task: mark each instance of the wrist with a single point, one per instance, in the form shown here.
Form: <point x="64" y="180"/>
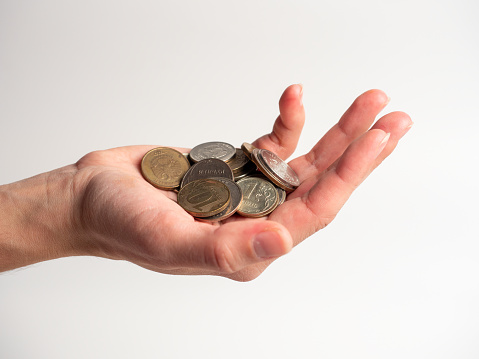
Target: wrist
<point x="37" y="221"/>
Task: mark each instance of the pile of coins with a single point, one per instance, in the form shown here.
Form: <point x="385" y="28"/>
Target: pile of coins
<point x="216" y="180"/>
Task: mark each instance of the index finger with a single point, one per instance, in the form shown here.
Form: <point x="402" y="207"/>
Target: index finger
<point x="288" y="126"/>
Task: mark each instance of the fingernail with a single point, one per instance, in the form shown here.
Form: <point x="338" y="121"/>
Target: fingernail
<point x="383" y="143"/>
<point x="268" y="244"/>
<point x="387" y="101"/>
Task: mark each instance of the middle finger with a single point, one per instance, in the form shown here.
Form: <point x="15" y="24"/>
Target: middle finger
<point x="357" y="119"/>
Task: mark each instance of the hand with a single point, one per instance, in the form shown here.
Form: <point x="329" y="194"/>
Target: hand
<point x="114" y="213"/>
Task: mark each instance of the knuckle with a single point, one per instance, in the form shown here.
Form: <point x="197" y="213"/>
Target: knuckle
<point x="222" y="258"/>
<point x="88" y="159"/>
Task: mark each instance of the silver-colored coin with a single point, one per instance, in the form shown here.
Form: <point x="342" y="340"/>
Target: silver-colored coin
<point x="208" y="168"/>
<point x="239" y="161"/>
<point x="279" y="167"/>
<point x="281" y="195"/>
<point x="268" y="174"/>
<point x="281" y="192"/>
<point x="247" y="172"/>
<point x="259" y="197"/>
<point x="236" y="199"/>
<point x="276" y="169"/>
<point x="219" y="150"/>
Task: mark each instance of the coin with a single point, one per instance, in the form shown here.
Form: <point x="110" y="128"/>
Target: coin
<point x="238" y="161"/>
<point x="259" y="197"/>
<point x="248" y="171"/>
<point x="207" y="188"/>
<point x="281" y="192"/>
<point x="164" y="167"/>
<point x="269" y="176"/>
<point x="281" y="195"/>
<point x="236" y="199"/>
<point x="278" y="171"/>
<point x="207" y="168"/>
<point x="220" y="150"/>
<point x="279" y="167"/>
<point x="204" y="197"/>
<point x="241" y="165"/>
<point x="248" y="149"/>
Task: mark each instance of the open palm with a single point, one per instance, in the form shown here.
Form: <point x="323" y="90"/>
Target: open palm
<point x="126" y="218"/>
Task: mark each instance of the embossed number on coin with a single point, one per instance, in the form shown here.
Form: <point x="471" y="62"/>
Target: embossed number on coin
<point x="259" y="197"/>
<point x="204" y="197"/>
<point x="236" y="199"/>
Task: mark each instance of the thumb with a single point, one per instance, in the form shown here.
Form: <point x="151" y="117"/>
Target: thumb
<point x="233" y="246"/>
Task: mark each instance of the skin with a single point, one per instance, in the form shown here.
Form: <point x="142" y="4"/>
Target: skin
<point x="102" y="206"/>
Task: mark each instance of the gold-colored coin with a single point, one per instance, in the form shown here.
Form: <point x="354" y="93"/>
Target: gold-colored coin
<point x="248" y="149"/>
<point x="204" y="197"/>
<point x="164" y="167"/>
<point x="236" y="198"/>
<point x="259" y="197"/>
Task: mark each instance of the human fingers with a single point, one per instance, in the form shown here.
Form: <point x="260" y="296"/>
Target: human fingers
<point x="314" y="209"/>
<point x="288" y="126"/>
<point x="397" y="124"/>
<point x="355" y="121"/>
<point x="222" y="250"/>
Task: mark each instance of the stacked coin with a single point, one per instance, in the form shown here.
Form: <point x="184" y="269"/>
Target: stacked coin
<point x="221" y="180"/>
<point x="241" y="165"/>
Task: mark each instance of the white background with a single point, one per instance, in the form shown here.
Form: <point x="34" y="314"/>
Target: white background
<point x="396" y="275"/>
